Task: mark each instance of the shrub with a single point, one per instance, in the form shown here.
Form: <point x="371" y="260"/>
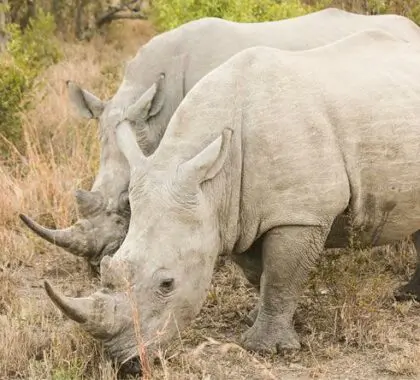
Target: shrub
<point x="169" y="15"/>
<point x="36" y="48"/>
<point x="27" y="55"/>
<point x="13" y="83"/>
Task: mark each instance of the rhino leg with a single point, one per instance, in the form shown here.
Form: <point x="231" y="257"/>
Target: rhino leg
<point x="252" y="315"/>
<point x="250" y="262"/>
<point x="412" y="288"/>
<point x="289" y="253"/>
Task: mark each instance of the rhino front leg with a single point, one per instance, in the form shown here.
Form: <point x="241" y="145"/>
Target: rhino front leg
<point x="250" y="262"/>
<point x="289" y="253"/>
<point x="412" y="288"/>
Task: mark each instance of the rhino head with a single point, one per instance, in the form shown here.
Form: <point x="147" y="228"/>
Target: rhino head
<point x="156" y="282"/>
<point x="105" y="210"/>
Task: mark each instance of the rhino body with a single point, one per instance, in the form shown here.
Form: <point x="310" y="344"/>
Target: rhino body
<point x="265" y="160"/>
<point x="156" y="81"/>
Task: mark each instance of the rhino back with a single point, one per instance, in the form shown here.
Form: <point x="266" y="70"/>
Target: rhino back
<point x="194" y="49"/>
<point x="315" y="133"/>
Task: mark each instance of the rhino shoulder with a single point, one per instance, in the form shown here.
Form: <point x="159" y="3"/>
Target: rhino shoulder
<point x="368" y="36"/>
<point x="367" y="40"/>
<point x="185" y="34"/>
<point x="399" y="25"/>
<point x="333" y="12"/>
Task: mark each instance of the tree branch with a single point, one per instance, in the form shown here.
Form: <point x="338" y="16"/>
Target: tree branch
<point x="114" y="14"/>
<point x="130" y="16"/>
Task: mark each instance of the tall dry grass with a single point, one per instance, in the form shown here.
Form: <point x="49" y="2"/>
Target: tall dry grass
<point x="60" y="155"/>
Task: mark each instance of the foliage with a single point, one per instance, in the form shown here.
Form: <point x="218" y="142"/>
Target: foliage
<point x="168" y="15"/>
<point x="407" y="8"/>
<point x="29" y="52"/>
<point x="36" y="48"/>
<point x="13" y="83"/>
<point x="171" y="14"/>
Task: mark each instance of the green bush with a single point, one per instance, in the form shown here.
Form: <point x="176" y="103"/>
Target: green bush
<point x="36" y="48"/>
<point x="168" y="15"/>
<point x="13" y="83"/>
<point x="27" y="55"/>
<point x="171" y="14"/>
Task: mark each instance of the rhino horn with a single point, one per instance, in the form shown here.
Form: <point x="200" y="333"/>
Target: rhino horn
<point x="88" y="202"/>
<point x="72" y="239"/>
<point x="95" y="313"/>
<point x="75" y="308"/>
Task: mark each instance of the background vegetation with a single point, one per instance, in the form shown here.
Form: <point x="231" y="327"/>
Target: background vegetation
<point x="34" y="27"/>
<point x="350" y="324"/>
<point x="170" y="14"/>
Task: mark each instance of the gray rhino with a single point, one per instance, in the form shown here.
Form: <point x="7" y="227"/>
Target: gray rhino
<point x="265" y="159"/>
<point x="156" y="81"/>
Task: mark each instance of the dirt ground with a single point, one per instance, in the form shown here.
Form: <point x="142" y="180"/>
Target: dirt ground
<point x="349" y="323"/>
<point x="350" y="326"/>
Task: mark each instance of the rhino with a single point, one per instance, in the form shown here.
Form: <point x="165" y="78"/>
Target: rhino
<point x="156" y="81"/>
<point x="269" y="159"/>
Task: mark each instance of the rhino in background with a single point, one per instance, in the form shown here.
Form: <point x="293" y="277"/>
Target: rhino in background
<point x="156" y="81"/>
<point x="232" y="176"/>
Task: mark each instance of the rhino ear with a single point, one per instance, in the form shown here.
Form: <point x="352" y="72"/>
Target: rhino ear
<point x="87" y="104"/>
<point x="206" y="164"/>
<point x="126" y="141"/>
<point x="150" y="103"/>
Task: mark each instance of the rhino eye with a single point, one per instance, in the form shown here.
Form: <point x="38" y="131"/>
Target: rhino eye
<point x="166" y="286"/>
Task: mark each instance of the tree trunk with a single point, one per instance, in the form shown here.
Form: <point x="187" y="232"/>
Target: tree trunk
<point x="3" y="35"/>
<point x="56" y="9"/>
<point x="80" y="4"/>
<point x="30" y="13"/>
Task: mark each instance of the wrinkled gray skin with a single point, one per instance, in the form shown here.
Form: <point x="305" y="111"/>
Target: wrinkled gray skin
<point x="149" y="99"/>
<point x="264" y="160"/>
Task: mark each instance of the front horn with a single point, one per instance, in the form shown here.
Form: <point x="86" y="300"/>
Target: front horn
<point x="74" y="239"/>
<point x="95" y="313"/>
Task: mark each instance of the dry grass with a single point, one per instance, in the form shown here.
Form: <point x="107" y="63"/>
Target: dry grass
<point x="61" y="155"/>
<point x="349" y="323"/>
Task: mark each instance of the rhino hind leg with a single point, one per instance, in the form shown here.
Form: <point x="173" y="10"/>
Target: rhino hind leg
<point x="289" y="253"/>
<point x="411" y="290"/>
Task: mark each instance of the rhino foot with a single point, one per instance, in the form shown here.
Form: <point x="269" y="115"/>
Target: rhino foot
<point x="252" y="315"/>
<point x="410" y="291"/>
<point x="260" y="339"/>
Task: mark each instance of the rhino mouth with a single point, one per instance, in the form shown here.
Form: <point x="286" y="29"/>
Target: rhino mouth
<point x="107" y="250"/>
<point x="131" y="367"/>
<point x="106" y="315"/>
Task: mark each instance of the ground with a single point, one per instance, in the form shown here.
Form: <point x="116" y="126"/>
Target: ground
<point x="349" y="323"/>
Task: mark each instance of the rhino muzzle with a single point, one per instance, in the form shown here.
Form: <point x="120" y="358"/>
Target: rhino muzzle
<point x="104" y="315"/>
<point x="96" y="313"/>
<point x="98" y="234"/>
<point x="89" y="202"/>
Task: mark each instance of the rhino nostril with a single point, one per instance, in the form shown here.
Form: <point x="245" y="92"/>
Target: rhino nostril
<point x="130" y="368"/>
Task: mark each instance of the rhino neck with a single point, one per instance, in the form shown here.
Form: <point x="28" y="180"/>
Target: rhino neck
<point x="153" y="60"/>
<point x="224" y="193"/>
<point x="148" y="138"/>
<point x="112" y="181"/>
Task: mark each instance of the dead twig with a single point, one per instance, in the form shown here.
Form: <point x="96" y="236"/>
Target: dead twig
<point x="123" y="11"/>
